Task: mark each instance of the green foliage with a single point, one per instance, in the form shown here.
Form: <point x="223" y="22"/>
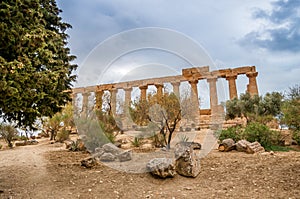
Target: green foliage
<point x="64" y="118"/>
<point x="291" y="109"/>
<point x="35" y="69"/>
<point x="63" y="135"/>
<point x="234" y="132"/>
<point x="163" y="112"/>
<point x="255" y="108"/>
<point x="137" y="141"/>
<point x="0" y="146"/>
<point x="262" y="134"/>
<point x="296" y="136"/>
<point x="8" y="132"/>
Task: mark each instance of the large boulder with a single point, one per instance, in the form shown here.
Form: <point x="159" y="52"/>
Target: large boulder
<point x="187" y="157"/>
<point x="161" y="167"/>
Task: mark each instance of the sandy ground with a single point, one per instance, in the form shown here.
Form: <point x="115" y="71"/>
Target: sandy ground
<point x="49" y="171"/>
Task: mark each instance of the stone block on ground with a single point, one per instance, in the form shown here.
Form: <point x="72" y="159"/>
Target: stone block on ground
<point x="227" y="145"/>
<point x="124" y="156"/>
<point x="161" y="167"/>
<point x="241" y="145"/>
<point x="111" y="148"/>
<point x="255" y="147"/>
<point x="107" y="157"/>
<point x="187" y="159"/>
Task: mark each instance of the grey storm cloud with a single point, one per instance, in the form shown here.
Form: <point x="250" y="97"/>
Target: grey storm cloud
<point x="283" y="30"/>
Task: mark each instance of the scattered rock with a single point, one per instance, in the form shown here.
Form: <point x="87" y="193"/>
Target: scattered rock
<point x="227" y="145"/>
<point x="254" y="147"/>
<point x="20" y="143"/>
<point x="88" y="162"/>
<point x="187" y="159"/>
<point x="241" y="145"/>
<point x="111" y="148"/>
<point x="107" y="157"/>
<point x="124" y="156"/>
<point x="162" y="167"/>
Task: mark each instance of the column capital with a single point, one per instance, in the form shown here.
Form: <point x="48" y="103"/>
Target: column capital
<point x="212" y="79"/>
<point x="252" y="74"/>
<point x="143" y="87"/>
<point x="231" y="77"/>
<point x="128" y="89"/>
<point x="193" y="81"/>
<point x="158" y="85"/>
<point x="176" y="83"/>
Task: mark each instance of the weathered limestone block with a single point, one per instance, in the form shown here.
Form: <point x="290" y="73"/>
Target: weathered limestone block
<point x="124" y="156"/>
<point x="88" y="162"/>
<point x="162" y="167"/>
<point x="255" y="147"/>
<point x="227" y="145"/>
<point x="111" y="148"/>
<point x="187" y="159"/>
<point x="241" y="145"/>
<point x="107" y="157"/>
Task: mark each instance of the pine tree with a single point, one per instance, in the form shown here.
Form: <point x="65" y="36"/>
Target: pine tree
<point x="35" y="68"/>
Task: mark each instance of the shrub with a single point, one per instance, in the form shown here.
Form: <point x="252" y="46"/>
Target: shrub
<point x="234" y="132"/>
<point x="262" y="134"/>
<point x="8" y="132"/>
<point x="63" y="135"/>
<point x="0" y="146"/>
<point x="296" y="136"/>
<point x="136" y="141"/>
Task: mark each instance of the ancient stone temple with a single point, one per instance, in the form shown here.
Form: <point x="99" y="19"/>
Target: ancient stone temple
<point x="202" y="118"/>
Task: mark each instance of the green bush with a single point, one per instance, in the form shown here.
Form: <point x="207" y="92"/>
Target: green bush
<point x="262" y="134"/>
<point x="0" y="146"/>
<point x="296" y="136"/>
<point x="234" y="132"/>
<point x="62" y="135"/>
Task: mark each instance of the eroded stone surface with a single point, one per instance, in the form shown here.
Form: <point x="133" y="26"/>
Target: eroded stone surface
<point x="162" y="167"/>
<point x="187" y="160"/>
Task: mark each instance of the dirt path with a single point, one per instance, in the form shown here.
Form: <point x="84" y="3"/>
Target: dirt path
<point x="48" y="171"/>
<point x="23" y="169"/>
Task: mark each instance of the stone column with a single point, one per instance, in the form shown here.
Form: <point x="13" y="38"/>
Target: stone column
<point x="232" y="86"/>
<point x="143" y="92"/>
<point x="252" y="86"/>
<point x="127" y="99"/>
<point x="85" y="104"/>
<point x="213" y="95"/>
<point x="194" y="109"/>
<point x="159" y="90"/>
<point x="126" y="120"/>
<point x="98" y="95"/>
<point x="176" y="88"/>
<point x="194" y="92"/>
<point x="113" y="101"/>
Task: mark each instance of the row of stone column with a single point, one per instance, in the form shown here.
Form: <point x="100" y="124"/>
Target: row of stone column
<point x="231" y="78"/>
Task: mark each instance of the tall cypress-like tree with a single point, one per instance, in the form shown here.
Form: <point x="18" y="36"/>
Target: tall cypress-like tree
<point x="35" y="68"/>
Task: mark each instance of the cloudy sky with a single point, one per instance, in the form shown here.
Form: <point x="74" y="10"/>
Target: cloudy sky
<point x="232" y="32"/>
